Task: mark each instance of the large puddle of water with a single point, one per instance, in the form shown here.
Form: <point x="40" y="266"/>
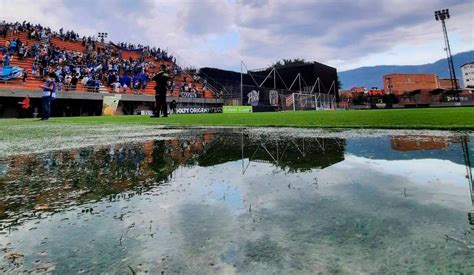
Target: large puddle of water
<point x="234" y="201"/>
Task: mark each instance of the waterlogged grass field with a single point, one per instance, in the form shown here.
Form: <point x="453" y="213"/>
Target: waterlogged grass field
<point x="452" y="118"/>
<point x="433" y="118"/>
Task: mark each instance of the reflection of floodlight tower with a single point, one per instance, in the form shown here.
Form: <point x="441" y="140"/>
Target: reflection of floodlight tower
<point x="102" y="36"/>
<point x="470" y="217"/>
<point x="467" y="162"/>
<point x="443" y="15"/>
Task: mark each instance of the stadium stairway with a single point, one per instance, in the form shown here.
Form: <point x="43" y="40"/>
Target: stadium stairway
<point x="72" y="46"/>
<point x="22" y="35"/>
<point x="130" y="54"/>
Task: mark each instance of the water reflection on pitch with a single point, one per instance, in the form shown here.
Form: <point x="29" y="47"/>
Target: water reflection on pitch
<point x="238" y="201"/>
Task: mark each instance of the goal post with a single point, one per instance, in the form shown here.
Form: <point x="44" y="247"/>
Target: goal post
<point x="307" y="101"/>
<point x="325" y="101"/>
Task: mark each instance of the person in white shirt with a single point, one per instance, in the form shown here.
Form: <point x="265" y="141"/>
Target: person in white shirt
<point x="85" y="80"/>
<point x="124" y="88"/>
<point x="116" y="86"/>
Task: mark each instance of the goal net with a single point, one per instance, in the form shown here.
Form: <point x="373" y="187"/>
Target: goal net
<point x="302" y="101"/>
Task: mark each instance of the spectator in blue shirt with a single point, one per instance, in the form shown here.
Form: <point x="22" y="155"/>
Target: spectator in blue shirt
<point x="126" y="80"/>
<point x="49" y="90"/>
<point x="6" y="60"/>
<point x="12" y="46"/>
<point x="136" y="84"/>
<point x="144" y="79"/>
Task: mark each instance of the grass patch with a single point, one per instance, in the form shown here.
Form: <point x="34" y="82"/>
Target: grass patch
<point x="430" y="118"/>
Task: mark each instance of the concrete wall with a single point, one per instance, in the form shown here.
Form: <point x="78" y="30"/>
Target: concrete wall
<point x="447" y="84"/>
<point x="84" y="103"/>
<point x="99" y="96"/>
<point x="409" y="82"/>
<point x="232" y="102"/>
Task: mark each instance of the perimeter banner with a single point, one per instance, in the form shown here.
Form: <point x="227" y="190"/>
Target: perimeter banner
<point x="264" y="99"/>
<point x="237" y="109"/>
<point x="198" y="110"/>
<point x="109" y="105"/>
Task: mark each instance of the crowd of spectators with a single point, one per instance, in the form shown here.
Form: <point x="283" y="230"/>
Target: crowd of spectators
<point x="189" y="89"/>
<point x="147" y="51"/>
<point x="100" y="65"/>
<point x="39" y="33"/>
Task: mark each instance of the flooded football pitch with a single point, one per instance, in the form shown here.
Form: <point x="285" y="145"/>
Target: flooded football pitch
<point x="243" y="201"/>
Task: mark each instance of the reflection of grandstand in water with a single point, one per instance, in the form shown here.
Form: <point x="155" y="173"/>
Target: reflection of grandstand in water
<point x="294" y="154"/>
<point x="414" y="143"/>
<point x="57" y="180"/>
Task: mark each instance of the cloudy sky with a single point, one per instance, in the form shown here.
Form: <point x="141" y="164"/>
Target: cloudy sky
<point x="342" y="33"/>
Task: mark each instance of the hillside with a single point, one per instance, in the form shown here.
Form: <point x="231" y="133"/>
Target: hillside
<point x="372" y="76"/>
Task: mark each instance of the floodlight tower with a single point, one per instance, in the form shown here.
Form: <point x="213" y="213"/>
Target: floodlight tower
<point x="102" y="36"/>
<point x="443" y="15"/>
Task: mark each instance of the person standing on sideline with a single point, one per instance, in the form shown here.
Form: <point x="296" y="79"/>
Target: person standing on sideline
<point x="161" y="78"/>
<point x="25" y="107"/>
<point x="49" y="90"/>
<point x="173" y="106"/>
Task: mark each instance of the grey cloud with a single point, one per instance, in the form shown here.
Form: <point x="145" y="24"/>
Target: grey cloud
<point x="206" y="17"/>
<point x="253" y="3"/>
<point x="268" y="30"/>
<point x="347" y="29"/>
<point x="118" y="18"/>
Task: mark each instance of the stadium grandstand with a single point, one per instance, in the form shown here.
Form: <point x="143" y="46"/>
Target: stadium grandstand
<point x="88" y="68"/>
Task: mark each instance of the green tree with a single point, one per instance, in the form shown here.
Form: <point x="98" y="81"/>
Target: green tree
<point x="285" y="62"/>
<point x="339" y="83"/>
<point x="359" y="99"/>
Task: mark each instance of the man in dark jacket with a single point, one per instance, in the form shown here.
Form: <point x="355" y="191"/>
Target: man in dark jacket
<point x="161" y="79"/>
<point x="49" y="93"/>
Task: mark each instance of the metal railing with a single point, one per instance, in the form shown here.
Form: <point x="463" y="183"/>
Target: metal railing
<point x="216" y="86"/>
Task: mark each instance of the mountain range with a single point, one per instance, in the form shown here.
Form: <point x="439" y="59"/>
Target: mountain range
<point x="372" y="76"/>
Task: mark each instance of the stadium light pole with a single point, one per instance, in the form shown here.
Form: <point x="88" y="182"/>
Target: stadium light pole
<point x="241" y="84"/>
<point x="443" y="15"/>
<point x="102" y="36"/>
